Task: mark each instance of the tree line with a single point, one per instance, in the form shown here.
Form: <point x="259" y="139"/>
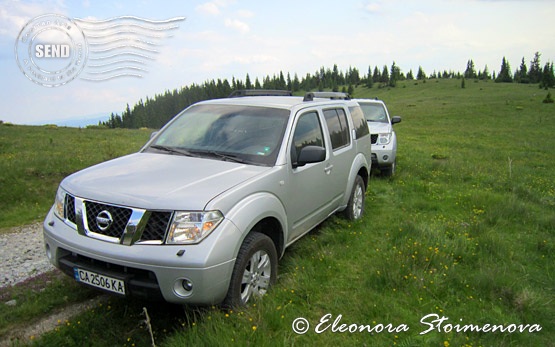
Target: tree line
<point x="156" y="111"/>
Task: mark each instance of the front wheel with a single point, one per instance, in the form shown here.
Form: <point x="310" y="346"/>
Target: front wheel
<point x="355" y="207"/>
<point x="255" y="270"/>
<point x="389" y="171"/>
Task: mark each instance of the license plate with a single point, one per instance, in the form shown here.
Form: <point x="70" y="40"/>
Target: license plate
<point x="94" y="279"/>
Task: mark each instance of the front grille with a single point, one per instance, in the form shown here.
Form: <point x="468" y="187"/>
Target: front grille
<point x="374" y="138"/>
<point x="70" y="209"/>
<point x="115" y="221"/>
<point x="156" y="227"/>
<point x="119" y="215"/>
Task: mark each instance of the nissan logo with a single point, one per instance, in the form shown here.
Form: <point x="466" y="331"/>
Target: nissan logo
<point x="104" y="220"/>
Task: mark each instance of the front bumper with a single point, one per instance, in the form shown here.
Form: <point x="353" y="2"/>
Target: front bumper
<point x="383" y="155"/>
<point x="150" y="271"/>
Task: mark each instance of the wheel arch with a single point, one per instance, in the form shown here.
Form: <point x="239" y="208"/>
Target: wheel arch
<point x="360" y="167"/>
<point x="271" y="227"/>
<point x="271" y="219"/>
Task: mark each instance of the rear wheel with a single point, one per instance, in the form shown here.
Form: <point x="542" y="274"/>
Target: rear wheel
<point x="255" y="270"/>
<point x="355" y="207"/>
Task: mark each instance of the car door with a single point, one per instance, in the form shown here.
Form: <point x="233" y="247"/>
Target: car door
<point x="316" y="188"/>
<point x="311" y="192"/>
<point x="341" y="152"/>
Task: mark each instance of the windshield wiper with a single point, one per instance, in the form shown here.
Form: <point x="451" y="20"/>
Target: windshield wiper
<point x="174" y="150"/>
<point x="230" y="157"/>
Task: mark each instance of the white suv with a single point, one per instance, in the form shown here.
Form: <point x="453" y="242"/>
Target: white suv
<point x="384" y="139"/>
<point x="204" y="210"/>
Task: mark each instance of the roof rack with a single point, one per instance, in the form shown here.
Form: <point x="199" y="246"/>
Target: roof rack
<point x="327" y="95"/>
<point x="259" y="92"/>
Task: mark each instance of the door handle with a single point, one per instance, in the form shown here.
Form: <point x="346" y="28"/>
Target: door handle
<point x="328" y="168"/>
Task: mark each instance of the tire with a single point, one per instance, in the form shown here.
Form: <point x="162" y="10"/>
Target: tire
<point x="254" y="272"/>
<point x="389" y="171"/>
<point x="355" y="207"/>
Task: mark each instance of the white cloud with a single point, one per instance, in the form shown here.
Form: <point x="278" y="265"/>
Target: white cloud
<point x="373" y="7"/>
<point x="209" y="8"/>
<point x="254" y="59"/>
<point x="245" y="14"/>
<point x="215" y="7"/>
<point x="14" y="15"/>
<point x="238" y="25"/>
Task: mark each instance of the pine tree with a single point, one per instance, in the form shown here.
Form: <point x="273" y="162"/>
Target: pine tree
<point x="369" y="80"/>
<point x="289" y="82"/>
<point x="535" y="72"/>
<point x="470" y="71"/>
<point x="296" y="85"/>
<point x="395" y="75"/>
<point x="376" y="76"/>
<point x="421" y="75"/>
<point x="521" y="75"/>
<point x="485" y="74"/>
<point x="505" y="73"/>
<point x="282" y="84"/>
<point x="548" y="77"/>
<point x="248" y="84"/>
<point x="384" y="79"/>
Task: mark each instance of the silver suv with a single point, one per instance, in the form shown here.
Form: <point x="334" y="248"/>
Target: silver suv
<point x="204" y="210"/>
<point x="384" y="139"/>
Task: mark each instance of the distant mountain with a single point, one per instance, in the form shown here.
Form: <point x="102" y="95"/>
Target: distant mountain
<point x="79" y="121"/>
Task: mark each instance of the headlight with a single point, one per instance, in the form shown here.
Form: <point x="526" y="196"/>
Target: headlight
<point x="192" y="227"/>
<point x="59" y="203"/>
<point x="383" y="139"/>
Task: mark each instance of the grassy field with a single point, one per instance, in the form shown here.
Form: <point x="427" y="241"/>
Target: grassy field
<point x="33" y="161"/>
<point x="465" y="231"/>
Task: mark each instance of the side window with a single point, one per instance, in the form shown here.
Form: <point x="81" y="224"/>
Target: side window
<point x="307" y="133"/>
<point x="361" y="126"/>
<point x="338" y="127"/>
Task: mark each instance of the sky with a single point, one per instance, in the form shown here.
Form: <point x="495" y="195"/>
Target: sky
<point x="210" y="40"/>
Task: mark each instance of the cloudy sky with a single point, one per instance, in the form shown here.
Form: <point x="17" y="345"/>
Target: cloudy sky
<point x="225" y="38"/>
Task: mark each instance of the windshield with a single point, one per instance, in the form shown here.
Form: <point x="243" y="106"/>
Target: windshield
<point x="244" y="134"/>
<point x="374" y="113"/>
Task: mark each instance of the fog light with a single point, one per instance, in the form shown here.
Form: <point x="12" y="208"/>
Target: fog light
<point x="385" y="157"/>
<point x="183" y="287"/>
<point x="187" y="285"/>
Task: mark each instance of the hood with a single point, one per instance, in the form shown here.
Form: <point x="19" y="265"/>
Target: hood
<point x="158" y="181"/>
<point x="379" y="128"/>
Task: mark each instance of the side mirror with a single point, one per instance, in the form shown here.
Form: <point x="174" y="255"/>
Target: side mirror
<point x="310" y="154"/>
<point x="154" y="133"/>
<point x="395" y="120"/>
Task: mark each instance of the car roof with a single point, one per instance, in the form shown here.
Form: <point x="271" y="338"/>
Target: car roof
<point x="283" y="102"/>
<point x="369" y="101"/>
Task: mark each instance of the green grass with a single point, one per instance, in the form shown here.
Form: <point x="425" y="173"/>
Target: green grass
<point x="465" y="230"/>
<point x="36" y="297"/>
<point x="34" y="160"/>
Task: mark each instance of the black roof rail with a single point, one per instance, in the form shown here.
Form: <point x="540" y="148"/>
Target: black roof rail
<point x="327" y="95"/>
<point x="259" y="92"/>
